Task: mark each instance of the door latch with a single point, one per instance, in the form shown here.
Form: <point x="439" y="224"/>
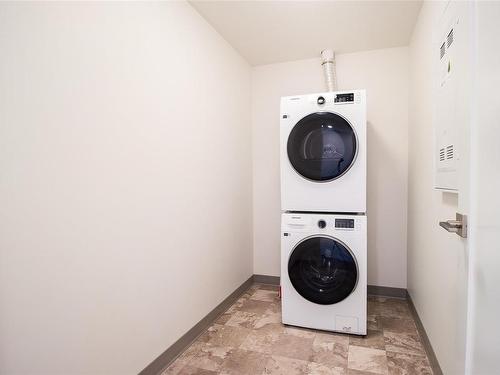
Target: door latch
<point x="457" y="226"/>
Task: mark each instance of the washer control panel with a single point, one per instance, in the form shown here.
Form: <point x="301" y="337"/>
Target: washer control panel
<point x="344" y="223"/>
<point x="300" y="222"/>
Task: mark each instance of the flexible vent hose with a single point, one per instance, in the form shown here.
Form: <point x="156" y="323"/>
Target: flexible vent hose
<point x="328" y="62"/>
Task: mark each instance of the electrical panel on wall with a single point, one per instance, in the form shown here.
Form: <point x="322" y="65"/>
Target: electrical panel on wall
<point x="452" y="56"/>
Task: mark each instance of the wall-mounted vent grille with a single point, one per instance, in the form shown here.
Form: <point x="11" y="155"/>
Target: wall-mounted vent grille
<point x="441" y="154"/>
<point x="442" y="50"/>
<point x="449" y="39"/>
<point x="449" y="152"/>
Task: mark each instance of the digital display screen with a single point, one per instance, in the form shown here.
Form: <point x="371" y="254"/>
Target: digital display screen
<point x="340" y="98"/>
<point x="344" y="223"/>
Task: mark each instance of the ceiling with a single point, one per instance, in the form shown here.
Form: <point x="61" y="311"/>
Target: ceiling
<point x="266" y="32"/>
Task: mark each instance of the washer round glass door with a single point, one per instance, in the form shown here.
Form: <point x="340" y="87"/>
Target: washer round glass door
<point x="322" y="146"/>
<point x="323" y="270"/>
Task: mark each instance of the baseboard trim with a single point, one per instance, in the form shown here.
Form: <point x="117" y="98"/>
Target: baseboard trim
<point x="169" y="355"/>
<point x="265" y="279"/>
<point x="386" y="291"/>
<point x="436" y="369"/>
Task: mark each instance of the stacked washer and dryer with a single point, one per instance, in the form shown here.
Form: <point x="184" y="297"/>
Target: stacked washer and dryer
<point x="323" y="203"/>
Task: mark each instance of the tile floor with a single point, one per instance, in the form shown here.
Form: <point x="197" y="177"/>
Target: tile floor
<point x="250" y="339"/>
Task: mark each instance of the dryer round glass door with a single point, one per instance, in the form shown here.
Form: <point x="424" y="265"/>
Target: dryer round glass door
<point x="322" y="146"/>
<point x="323" y="270"/>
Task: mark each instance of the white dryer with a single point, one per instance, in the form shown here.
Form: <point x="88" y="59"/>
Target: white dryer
<point x="323" y="152"/>
<point x="323" y="271"/>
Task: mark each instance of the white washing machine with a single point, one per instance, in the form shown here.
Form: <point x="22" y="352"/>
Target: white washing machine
<point x="323" y="152"/>
<point x="323" y="271"/>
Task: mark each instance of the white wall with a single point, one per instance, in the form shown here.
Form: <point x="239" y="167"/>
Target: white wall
<point x="384" y="74"/>
<point x="125" y="183"/>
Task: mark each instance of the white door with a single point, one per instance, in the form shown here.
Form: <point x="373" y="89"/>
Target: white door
<point x="453" y="56"/>
<point x="483" y="333"/>
<point x="475" y="260"/>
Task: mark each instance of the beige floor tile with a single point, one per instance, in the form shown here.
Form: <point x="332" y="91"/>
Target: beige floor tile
<point x="237" y="305"/>
<point x="205" y="356"/>
<point x="293" y="346"/>
<point x="367" y="359"/>
<point x="243" y="319"/>
<point x="174" y="368"/>
<point x="190" y="370"/>
<point x="397" y="324"/>
<point x="265" y="295"/>
<point x="224" y="335"/>
<point x="323" y="337"/>
<point x="314" y="368"/>
<point x="389" y="307"/>
<point x="263" y="339"/>
<point x="223" y="318"/>
<point x="268" y="287"/>
<point x="405" y="343"/>
<point x="277" y="365"/>
<point x="351" y="371"/>
<point x="301" y="332"/>
<point x="372" y="322"/>
<point x="271" y="316"/>
<point x="257" y="307"/>
<point x="374" y="339"/>
<point x="406" y="364"/>
<point x="330" y="349"/>
<point x="243" y="362"/>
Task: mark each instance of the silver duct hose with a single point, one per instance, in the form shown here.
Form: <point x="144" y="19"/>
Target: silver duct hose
<point x="328" y="62"/>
